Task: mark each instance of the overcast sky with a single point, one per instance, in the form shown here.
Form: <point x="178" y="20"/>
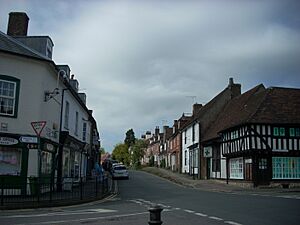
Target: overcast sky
<point x="138" y="61"/>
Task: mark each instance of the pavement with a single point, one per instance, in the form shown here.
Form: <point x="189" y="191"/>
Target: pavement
<point x="215" y="184"/>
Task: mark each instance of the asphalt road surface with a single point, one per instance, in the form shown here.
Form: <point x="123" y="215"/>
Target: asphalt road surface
<point x="182" y="206"/>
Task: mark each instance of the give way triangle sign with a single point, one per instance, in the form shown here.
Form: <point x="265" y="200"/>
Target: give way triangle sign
<point x="38" y="127"/>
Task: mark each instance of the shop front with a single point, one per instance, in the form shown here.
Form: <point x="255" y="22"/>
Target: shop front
<point x="24" y="159"/>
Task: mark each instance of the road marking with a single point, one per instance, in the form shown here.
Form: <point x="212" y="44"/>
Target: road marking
<point x="189" y="211"/>
<point x="88" y="219"/>
<point x="232" y="223"/>
<point x="215" y="218"/>
<point x="200" y="214"/>
<point x="66" y="213"/>
<point x="177" y="208"/>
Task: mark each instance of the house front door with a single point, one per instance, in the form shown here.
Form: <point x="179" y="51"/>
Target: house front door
<point x="262" y="171"/>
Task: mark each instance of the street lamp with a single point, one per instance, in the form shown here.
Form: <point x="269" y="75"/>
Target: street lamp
<point x="60" y="148"/>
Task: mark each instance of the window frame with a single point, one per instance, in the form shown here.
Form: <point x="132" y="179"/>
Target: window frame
<point x="16" y="82"/>
<point x="67" y="115"/>
<point x="76" y="123"/>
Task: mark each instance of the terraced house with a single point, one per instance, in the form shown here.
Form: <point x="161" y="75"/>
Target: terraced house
<point x="46" y="130"/>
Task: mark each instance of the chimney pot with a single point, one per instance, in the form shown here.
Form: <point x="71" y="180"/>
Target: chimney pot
<point x="17" y="24"/>
<point x="230" y="81"/>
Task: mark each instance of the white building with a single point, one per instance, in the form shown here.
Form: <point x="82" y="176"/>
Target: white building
<point x="32" y="88"/>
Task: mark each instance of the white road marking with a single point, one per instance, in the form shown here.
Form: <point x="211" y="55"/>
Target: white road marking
<point x="189" y="211"/>
<point x="88" y="219"/>
<point x="90" y="211"/>
<point x="201" y="214"/>
<point x="215" y="218"/>
<point x="232" y="223"/>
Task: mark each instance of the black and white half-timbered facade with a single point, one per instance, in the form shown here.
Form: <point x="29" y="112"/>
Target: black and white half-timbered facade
<point x="259" y="137"/>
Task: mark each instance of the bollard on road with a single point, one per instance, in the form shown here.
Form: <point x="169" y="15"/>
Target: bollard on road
<point x="155" y="218"/>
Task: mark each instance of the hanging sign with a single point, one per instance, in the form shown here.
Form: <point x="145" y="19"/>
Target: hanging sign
<point x="207" y="152"/>
<point x="38" y="127"/>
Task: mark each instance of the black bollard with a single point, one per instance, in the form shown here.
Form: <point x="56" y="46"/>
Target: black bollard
<point x="155" y="215"/>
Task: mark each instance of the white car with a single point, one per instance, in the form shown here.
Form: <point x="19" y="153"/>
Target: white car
<point x="120" y="171"/>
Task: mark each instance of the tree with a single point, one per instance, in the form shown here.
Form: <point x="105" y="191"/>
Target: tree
<point x="130" y="138"/>
<point x="121" y="153"/>
<point x="137" y="152"/>
<point x="102" y="151"/>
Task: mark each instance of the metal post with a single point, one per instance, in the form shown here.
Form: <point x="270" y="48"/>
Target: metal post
<point x="155" y="215"/>
<point x="96" y="186"/>
<point x="2" y="191"/>
<point x="81" y="191"/>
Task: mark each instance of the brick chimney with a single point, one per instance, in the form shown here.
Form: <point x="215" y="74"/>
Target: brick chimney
<point x="156" y="130"/>
<point x="17" y="24"/>
<point x="196" y="108"/>
<point x="234" y="88"/>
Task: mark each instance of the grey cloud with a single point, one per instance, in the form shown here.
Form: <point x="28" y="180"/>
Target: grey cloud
<point x="138" y="60"/>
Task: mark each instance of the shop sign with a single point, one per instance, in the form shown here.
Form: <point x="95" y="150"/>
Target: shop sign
<point x="27" y="139"/>
<point x="207" y="152"/>
<point x="49" y="147"/>
<point x="8" y="141"/>
<point x="248" y="160"/>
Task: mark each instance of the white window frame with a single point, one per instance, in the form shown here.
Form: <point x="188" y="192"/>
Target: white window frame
<point x="236" y="167"/>
<point x="8" y="97"/>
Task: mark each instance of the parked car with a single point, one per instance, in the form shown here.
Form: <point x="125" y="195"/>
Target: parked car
<point x="120" y="171"/>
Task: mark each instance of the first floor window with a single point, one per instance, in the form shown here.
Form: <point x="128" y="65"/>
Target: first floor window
<point x="84" y="132"/>
<point x="10" y="161"/>
<point x="236" y="168"/>
<point x="66" y="117"/>
<point x="8" y="95"/>
<point x="286" y="167"/>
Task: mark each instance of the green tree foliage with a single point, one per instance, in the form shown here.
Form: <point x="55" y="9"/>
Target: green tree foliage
<point x="121" y="153"/>
<point x="137" y="152"/>
<point x="102" y="151"/>
<point x="130" y="138"/>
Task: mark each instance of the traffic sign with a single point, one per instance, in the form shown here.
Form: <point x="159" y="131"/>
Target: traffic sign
<point x="38" y="127"/>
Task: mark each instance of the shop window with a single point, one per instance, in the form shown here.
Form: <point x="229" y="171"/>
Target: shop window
<point x="9" y="89"/>
<point x="46" y="165"/>
<point x="236" y="168"/>
<point x="10" y="161"/>
<point x="216" y="160"/>
<point x="286" y="167"/>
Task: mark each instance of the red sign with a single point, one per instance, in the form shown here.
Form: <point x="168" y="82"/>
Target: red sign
<point x="38" y="127"/>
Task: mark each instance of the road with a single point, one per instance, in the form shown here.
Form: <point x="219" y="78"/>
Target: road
<point x="182" y="206"/>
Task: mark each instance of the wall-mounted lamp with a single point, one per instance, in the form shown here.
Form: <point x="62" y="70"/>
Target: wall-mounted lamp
<point x="50" y="94"/>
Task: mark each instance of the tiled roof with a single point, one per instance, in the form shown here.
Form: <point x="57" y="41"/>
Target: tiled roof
<point x="9" y="44"/>
<point x="258" y="105"/>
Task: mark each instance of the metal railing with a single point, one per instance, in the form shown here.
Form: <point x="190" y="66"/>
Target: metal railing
<point x="43" y="192"/>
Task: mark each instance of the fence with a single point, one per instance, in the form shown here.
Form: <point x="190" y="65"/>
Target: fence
<point x="40" y="192"/>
